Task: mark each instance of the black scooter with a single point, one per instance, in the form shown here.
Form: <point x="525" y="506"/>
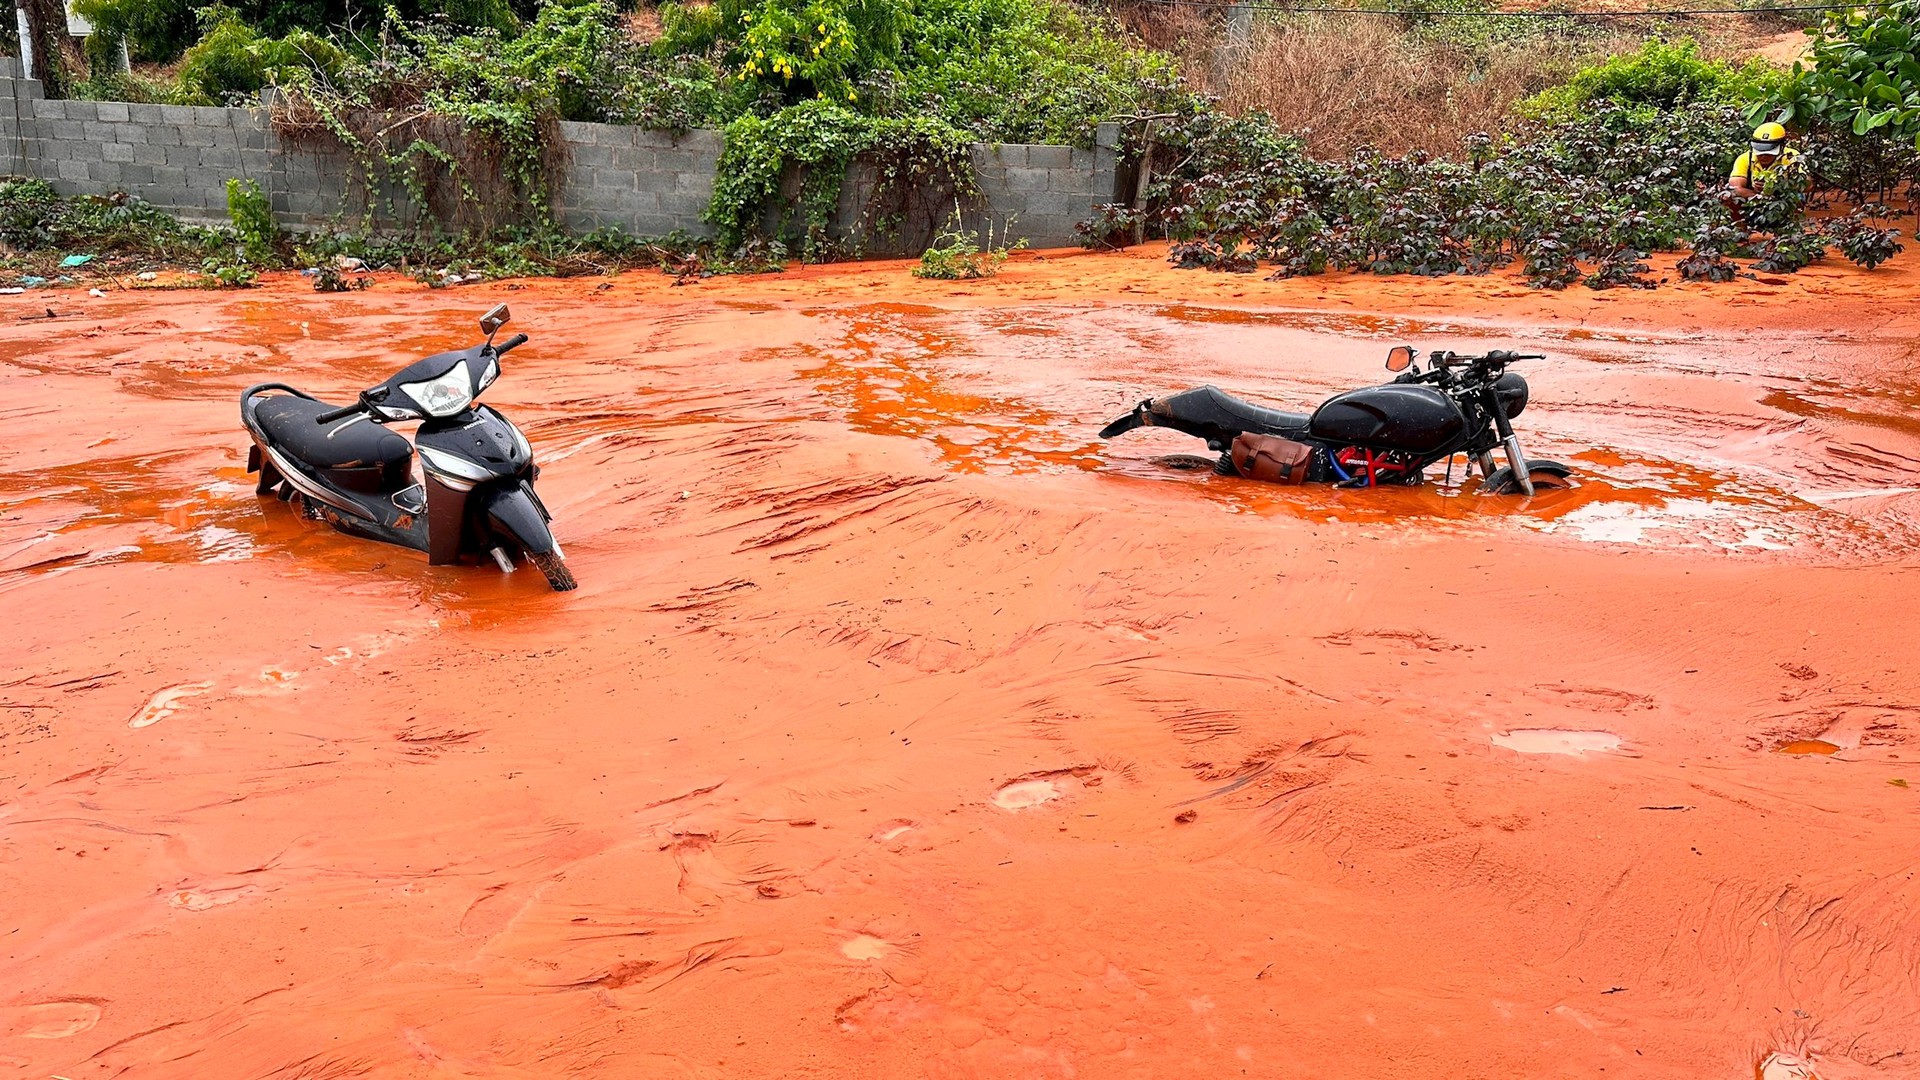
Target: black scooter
<point x="343" y="467"/>
<point x="1372" y="436"/>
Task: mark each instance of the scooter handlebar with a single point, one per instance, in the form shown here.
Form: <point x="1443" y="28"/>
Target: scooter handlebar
<point x="510" y="344"/>
<point x="343" y="411"/>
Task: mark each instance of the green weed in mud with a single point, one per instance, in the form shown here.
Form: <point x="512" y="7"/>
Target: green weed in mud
<point x="956" y="255"/>
<point x="38" y="227"/>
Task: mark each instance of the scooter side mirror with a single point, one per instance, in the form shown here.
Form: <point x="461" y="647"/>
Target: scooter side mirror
<point x="492" y="321"/>
<point x="1399" y="358"/>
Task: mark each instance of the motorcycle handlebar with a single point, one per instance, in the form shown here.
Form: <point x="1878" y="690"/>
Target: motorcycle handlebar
<point x="1497" y="356"/>
<point x="511" y="343"/>
<point x="330" y="417"/>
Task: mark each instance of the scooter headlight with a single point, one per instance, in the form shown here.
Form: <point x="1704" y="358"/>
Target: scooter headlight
<point x="445" y="395"/>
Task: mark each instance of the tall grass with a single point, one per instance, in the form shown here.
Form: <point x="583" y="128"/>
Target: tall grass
<point x="1349" y="81"/>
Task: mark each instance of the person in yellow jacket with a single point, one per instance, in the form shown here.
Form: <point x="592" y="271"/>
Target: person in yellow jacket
<point x="1767" y="155"/>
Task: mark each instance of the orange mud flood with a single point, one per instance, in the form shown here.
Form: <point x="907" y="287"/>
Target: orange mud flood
<point x="900" y="728"/>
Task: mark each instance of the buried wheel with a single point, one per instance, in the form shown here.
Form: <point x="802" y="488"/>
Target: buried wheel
<point x="555" y="568"/>
<point x="1546" y="476"/>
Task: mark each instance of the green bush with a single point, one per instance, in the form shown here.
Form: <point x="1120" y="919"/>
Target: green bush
<point x="33" y="218"/>
<point x="781" y="175"/>
<point x="956" y="255"/>
<point x="252" y="217"/>
<point x="227" y="60"/>
<point x="156" y="31"/>
<point x="1584" y="200"/>
<point x="1661" y="76"/>
<point x="1858" y="97"/>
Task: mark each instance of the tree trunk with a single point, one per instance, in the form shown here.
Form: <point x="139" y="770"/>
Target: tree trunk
<point x="47" y="25"/>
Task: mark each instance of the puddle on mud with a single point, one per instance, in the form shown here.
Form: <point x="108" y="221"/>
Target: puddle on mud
<point x="897" y="369"/>
<point x="883" y="377"/>
<point x="865" y="947"/>
<point x="1555" y="741"/>
<point x="1027" y="794"/>
<point x="1807" y="746"/>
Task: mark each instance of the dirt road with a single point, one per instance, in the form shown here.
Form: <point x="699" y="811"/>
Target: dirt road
<point x="901" y="729"/>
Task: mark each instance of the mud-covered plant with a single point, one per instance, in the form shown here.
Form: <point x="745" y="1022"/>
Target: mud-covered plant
<point x="1112" y="226"/>
<point x="1790" y="251"/>
<point x="1620" y="268"/>
<point x="1212" y="255"/>
<point x="1861" y="241"/>
<point x="1295" y="239"/>
<point x="34" y="219"/>
<point x="1707" y="260"/>
<point x="1550" y="263"/>
<point x="1780" y="208"/>
<point x="330" y="278"/>
<point x="220" y="274"/>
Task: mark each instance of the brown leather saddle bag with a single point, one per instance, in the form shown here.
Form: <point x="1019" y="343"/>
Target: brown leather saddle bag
<point x="1271" y="458"/>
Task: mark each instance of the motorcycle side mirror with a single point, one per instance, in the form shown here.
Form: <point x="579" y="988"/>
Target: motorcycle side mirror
<point x="1399" y="358"/>
<point x="492" y="321"/>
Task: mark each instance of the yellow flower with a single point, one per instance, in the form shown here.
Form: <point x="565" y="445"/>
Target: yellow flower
<point x="759" y="54"/>
<point x="823" y="28"/>
<point x="849" y="95"/>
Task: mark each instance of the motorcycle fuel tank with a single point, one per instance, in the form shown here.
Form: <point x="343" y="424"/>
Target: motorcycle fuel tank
<point x="1416" y="419"/>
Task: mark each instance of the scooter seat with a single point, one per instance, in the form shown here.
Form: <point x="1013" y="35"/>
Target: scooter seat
<point x="353" y="443"/>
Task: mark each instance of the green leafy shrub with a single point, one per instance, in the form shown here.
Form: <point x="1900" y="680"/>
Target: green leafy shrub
<point x="1111" y="227"/>
<point x="1003" y="70"/>
<point x="1661" y="76"/>
<point x="1857" y="95"/>
<point x="260" y="236"/>
<point x="781" y="175"/>
<point x="1862" y="242"/>
<point x="1583" y="201"/>
<point x="156" y="31"/>
<point x="956" y="255"/>
<point x="34" y="218"/>
<point x="228" y="59"/>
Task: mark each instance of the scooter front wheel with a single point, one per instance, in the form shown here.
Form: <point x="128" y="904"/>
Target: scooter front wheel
<point x="555" y="568"/>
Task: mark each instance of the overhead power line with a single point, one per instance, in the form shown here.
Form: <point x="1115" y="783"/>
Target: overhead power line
<point x="1410" y="13"/>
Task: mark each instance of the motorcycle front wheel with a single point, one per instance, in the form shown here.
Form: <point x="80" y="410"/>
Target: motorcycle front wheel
<point x="1546" y="476"/>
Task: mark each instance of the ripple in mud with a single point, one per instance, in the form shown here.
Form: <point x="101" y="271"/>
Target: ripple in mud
<point x="166" y="703"/>
<point x="1554" y="741"/>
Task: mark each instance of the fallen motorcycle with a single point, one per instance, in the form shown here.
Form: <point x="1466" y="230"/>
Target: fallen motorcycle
<point x="1373" y="436"/>
<point x="343" y="467"/>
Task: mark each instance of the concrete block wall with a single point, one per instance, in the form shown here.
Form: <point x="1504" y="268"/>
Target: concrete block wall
<point x="1041" y="192"/>
<point x="650" y="183"/>
<point x="13" y="150"/>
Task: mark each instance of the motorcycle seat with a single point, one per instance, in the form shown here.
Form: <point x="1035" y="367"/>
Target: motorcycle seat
<point x="1214" y="404"/>
<point x="353" y="443"/>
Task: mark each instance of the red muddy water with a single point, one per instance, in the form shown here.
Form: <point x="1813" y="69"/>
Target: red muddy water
<point x="901" y="728"/>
